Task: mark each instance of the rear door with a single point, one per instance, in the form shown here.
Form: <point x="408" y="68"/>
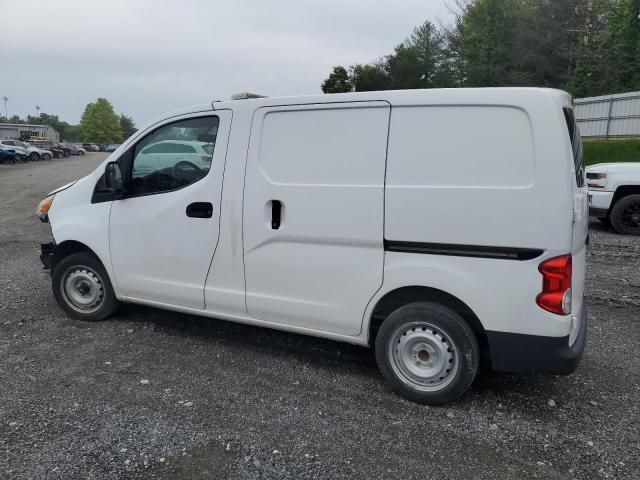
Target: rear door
<point x="580" y="222"/>
<point x="313" y="213"/>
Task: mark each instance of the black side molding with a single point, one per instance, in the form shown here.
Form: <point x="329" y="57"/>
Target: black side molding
<point x="478" y="251"/>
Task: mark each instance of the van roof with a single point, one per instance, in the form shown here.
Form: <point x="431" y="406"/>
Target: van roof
<point x="434" y="96"/>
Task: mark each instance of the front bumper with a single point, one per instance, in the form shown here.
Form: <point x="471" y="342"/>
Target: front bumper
<point x="515" y="352"/>
<point x="46" y="254"/>
<point x="599" y="203"/>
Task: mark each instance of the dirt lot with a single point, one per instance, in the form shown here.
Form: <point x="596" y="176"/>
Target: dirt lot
<point x="152" y="394"/>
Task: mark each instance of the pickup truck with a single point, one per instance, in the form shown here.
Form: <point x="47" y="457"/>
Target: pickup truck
<point x="614" y="195"/>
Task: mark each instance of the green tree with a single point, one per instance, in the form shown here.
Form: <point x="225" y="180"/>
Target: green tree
<point x="100" y="124"/>
<point x="455" y="66"/>
<point x="491" y="28"/>
<point x="621" y="46"/>
<point x="427" y="42"/>
<point x="127" y="126"/>
<point x="369" y="77"/>
<point x="338" y="81"/>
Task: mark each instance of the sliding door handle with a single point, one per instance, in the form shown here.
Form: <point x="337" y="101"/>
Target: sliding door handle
<point x="276" y="214"/>
<point x="200" y="210"/>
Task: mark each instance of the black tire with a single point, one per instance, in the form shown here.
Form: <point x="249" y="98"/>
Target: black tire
<point x="46" y="156"/>
<point x="625" y="215"/>
<point x="67" y="154"/>
<point x="34" y="156"/>
<point x="604" y="220"/>
<point x="458" y="343"/>
<point x="84" y="267"/>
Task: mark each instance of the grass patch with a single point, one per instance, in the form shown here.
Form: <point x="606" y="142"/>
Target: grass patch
<point x="609" y="151"/>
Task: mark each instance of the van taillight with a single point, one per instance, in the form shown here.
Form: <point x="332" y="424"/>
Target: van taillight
<point x="556" y="285"/>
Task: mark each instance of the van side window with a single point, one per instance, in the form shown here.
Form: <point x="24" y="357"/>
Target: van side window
<point x="576" y="145"/>
<point x="174" y="155"/>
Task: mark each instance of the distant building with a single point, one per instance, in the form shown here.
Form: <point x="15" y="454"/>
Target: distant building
<point x="18" y="130"/>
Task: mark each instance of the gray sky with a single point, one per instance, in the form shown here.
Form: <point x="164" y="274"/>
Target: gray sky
<point x="150" y="56"/>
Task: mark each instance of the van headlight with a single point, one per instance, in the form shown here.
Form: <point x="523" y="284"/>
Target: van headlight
<point x="42" y="212"/>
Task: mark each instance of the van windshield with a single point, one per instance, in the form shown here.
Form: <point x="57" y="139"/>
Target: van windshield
<point x="576" y="145"/>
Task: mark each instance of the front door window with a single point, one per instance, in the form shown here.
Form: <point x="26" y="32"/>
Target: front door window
<point x="174" y="156"/>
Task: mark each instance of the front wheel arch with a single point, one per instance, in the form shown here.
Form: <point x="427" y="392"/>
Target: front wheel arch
<point x="69" y="247"/>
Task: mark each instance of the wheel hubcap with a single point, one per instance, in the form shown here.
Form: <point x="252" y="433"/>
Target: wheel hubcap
<point x="83" y="289"/>
<point x="423" y="356"/>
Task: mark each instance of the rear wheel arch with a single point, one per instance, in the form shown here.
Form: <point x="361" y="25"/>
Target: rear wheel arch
<point x="395" y="299"/>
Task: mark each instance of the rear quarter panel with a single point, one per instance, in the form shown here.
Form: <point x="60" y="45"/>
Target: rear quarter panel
<point x="519" y="194"/>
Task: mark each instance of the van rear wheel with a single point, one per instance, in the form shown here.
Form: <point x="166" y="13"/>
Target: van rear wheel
<point x="427" y="352"/>
<point x="82" y="288"/>
<point x="625" y="215"/>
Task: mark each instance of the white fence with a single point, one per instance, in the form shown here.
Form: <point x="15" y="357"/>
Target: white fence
<point x="609" y="116"/>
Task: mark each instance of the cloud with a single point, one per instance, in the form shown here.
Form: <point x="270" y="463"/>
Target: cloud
<point x="150" y="56"/>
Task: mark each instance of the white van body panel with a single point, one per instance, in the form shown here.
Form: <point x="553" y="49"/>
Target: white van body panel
<point x="445" y="185"/>
<point x="477" y="283"/>
<point x="467" y="167"/>
<point x="74" y="218"/>
<point x="157" y="252"/>
<point x="326" y="166"/>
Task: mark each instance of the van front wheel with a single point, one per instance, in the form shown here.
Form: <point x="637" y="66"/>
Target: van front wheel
<point x="427" y="352"/>
<point x="82" y="288"/>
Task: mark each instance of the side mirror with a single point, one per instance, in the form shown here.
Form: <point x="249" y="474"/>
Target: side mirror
<point x="113" y="179"/>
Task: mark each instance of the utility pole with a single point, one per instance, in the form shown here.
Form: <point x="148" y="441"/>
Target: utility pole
<point x="587" y="26"/>
<point x="38" y="111"/>
<point x="6" y="115"/>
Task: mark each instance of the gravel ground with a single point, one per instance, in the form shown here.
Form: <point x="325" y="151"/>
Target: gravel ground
<point x="153" y="394"/>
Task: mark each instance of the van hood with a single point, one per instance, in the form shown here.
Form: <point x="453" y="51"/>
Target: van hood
<point x="64" y="187"/>
<point x="621" y="167"/>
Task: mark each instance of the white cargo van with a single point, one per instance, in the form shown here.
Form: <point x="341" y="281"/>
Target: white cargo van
<point x="431" y="225"/>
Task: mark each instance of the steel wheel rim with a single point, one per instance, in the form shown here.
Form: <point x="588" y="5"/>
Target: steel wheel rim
<point x="631" y="216"/>
<point x="82" y="289"/>
<point x="423" y="356"/>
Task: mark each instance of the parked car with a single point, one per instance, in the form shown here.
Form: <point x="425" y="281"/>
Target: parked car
<point x="165" y="151"/>
<point x="22" y="154"/>
<point x="57" y="152"/>
<point x="34" y="152"/>
<point x="66" y="150"/>
<point x="90" y="147"/>
<point x="102" y="147"/>
<point x="395" y="234"/>
<point x="7" y="155"/>
<point x="43" y="153"/>
<point x="111" y="147"/>
<point x="614" y="195"/>
<point x="74" y="149"/>
<point x="50" y="145"/>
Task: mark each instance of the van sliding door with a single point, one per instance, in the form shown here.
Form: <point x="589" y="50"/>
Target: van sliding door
<point x="313" y="214"/>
